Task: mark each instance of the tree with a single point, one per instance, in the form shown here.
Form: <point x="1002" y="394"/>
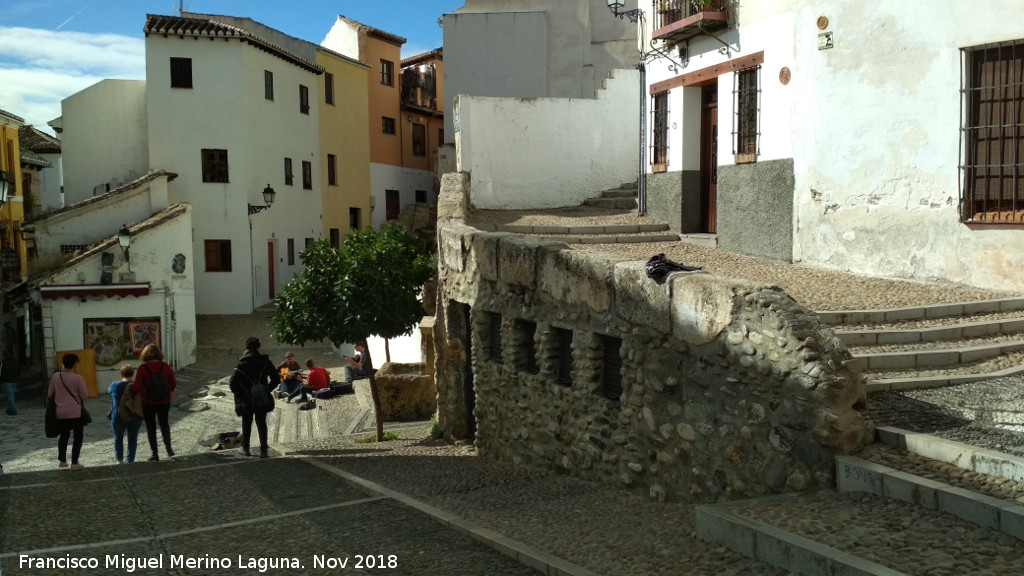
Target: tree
<point x="368" y="287"/>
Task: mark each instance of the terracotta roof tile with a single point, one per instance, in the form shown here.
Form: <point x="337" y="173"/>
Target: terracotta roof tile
<point x="30" y="138"/>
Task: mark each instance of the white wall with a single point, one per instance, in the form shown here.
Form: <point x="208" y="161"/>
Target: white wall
<point x="407" y="181"/>
<point x="343" y="38"/>
<point x="549" y="152"/>
<point x="104" y="137"/>
<point x="51" y="179"/>
<point x="226" y="109"/>
<point x="876" y="143"/>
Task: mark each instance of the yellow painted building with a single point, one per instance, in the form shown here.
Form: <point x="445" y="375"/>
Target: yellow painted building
<point x="344" y="143"/>
<point x="12" y="214"/>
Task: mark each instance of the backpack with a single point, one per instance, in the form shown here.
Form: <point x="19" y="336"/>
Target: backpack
<point x="259" y="396"/>
<point x="158" y="390"/>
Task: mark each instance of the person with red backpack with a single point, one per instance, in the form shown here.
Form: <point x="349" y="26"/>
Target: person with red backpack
<point x="155" y="381"/>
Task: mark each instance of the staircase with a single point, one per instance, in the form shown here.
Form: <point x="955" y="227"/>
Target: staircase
<point x="621" y="198"/>
<point x="926" y="346"/>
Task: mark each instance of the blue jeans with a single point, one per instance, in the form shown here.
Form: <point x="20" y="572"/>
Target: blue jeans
<point x="9" y="388"/>
<point x="290" y="386"/>
<point x="120" y="427"/>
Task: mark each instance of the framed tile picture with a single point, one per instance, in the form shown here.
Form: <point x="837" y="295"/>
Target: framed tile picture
<point x="142" y="334"/>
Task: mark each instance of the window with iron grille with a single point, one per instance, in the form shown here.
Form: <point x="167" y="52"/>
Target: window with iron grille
<point x="218" y="255"/>
<point x="328" y="88"/>
<point x="332" y="170"/>
<point x="563" y="342"/>
<point x="289" y="176"/>
<point x="494" y="337"/>
<point x="335" y="238"/>
<point x="611" y="367"/>
<point x="747" y="100"/>
<point x="71" y="249"/>
<point x="659" y="129"/>
<point x="992" y="132"/>
<point x="387" y="125"/>
<point x="527" y="351"/>
<point x="309" y="242"/>
<point x="303" y="99"/>
<point x="215" y="165"/>
<point x="268" y="84"/>
<point x="392" y="204"/>
<point x="307" y="175"/>
<point x="386" y="72"/>
<point x="291" y="251"/>
<point x="181" y="73"/>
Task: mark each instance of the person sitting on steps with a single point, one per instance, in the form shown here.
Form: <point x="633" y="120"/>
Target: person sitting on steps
<point x="291" y="375"/>
<point x="317" y="379"/>
<point x="359" y="366"/>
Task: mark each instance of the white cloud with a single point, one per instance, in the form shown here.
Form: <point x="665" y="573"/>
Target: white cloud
<point x="39" y="68"/>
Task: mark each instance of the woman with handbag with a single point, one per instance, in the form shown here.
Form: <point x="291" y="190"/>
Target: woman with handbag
<point x="120" y="422"/>
<point x="254" y="370"/>
<point x="67" y="391"/>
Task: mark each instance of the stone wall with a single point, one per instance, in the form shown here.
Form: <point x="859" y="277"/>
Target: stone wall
<point x="406" y="392"/>
<point x="702" y="388"/>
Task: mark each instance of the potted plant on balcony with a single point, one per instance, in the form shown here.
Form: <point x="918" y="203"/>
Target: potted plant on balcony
<point x="669" y="11"/>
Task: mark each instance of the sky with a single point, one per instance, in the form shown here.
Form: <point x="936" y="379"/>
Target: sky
<point x="51" y="49"/>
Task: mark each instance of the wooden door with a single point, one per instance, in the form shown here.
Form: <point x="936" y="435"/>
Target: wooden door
<point x="709" y="160"/>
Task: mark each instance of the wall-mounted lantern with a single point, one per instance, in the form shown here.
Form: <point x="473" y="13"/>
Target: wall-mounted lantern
<point x="268" y="199"/>
<point x="618" y="8"/>
<point x="124" y="238"/>
<point x="6" y="186"/>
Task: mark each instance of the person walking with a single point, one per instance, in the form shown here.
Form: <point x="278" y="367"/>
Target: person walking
<point x="67" y="391"/>
<point x="254" y="370"/>
<point x="155" y="381"/>
<point x="121" y="427"/>
<point x="9" y="371"/>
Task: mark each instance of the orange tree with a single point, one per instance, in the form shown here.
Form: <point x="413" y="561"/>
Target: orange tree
<point x="368" y="287"/>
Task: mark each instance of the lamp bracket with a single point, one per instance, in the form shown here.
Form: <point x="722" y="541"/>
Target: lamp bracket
<point x="256" y="209"/>
<point x="633" y="15"/>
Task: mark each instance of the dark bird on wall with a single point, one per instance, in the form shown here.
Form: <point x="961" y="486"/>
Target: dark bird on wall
<point x="658" y="268"/>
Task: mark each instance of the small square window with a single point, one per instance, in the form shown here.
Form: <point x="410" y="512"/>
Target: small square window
<point x="218" y="255"/>
<point x="421" y="196"/>
<point x="309" y="242"/>
<point x="494" y="337"/>
<point x="181" y="73"/>
<point x="215" y="165"/>
<point x="387" y="125"/>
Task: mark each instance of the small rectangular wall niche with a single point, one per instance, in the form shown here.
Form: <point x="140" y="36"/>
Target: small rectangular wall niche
<point x="563" y="343"/>
<point x="527" y="356"/>
<point x="494" y="337"/>
<point x="611" y="367"/>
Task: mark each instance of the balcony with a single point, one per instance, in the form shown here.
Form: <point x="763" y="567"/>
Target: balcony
<point x="678" y="20"/>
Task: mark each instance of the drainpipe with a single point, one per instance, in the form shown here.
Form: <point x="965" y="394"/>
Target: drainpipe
<point x="641" y="179"/>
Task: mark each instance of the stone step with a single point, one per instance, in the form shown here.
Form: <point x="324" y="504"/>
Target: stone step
<point x="847" y="317"/>
<point x="1006" y="364"/>
<point x="703" y="240"/>
<point x="611" y="203"/>
<point x="894" y="333"/>
<point x="583" y="230"/>
<point x="957" y="353"/>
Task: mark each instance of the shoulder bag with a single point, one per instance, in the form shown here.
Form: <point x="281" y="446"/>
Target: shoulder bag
<point x="85" y="418"/>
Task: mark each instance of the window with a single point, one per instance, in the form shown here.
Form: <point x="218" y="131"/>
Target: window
<point x="494" y="337"/>
<point x="268" y="84"/>
<point x="528" y="354"/>
<point x="291" y="251"/>
<point x="218" y="255"/>
<point x="329" y="88"/>
<point x="746" y="92"/>
<point x="392" y="204"/>
<point x="659" y="130"/>
<point x="289" y="176"/>
<point x="309" y="241"/>
<point x="71" y="249"/>
<point x="215" y="165"/>
<point x="307" y="175"/>
<point x="386" y="69"/>
<point x="332" y="170"/>
<point x="335" y="238"/>
<point x="611" y="367"/>
<point x="353" y="218"/>
<point x="419" y="140"/>
<point x="421" y="196"/>
<point x="992" y="151"/>
<point x="563" y="344"/>
<point x="440" y="136"/>
<point x="181" y="73"/>
<point x="387" y="125"/>
<point x="303" y="99"/>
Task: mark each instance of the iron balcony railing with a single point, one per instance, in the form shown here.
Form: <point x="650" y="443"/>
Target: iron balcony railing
<point x="671" y="11"/>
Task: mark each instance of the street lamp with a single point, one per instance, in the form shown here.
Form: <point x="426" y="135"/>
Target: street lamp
<point x="124" y="238"/>
<point x="268" y="198"/>
<point x="6" y="186"/>
<point x="617" y="8"/>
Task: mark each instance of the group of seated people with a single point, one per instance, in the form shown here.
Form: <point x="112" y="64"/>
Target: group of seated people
<point x="295" y="383"/>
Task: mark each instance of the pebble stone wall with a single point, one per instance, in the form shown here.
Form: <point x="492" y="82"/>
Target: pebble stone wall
<point x="702" y="388"/>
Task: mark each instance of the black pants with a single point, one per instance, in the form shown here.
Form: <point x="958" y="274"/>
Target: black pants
<point x="76" y="445"/>
<point x="261" y="428"/>
<point x="151" y="414"/>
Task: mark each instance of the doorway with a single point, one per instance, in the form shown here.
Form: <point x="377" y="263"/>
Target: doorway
<point x="709" y="159"/>
<point x="270" y="269"/>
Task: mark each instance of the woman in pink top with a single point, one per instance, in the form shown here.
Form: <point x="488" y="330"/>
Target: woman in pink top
<point x="67" y="390"/>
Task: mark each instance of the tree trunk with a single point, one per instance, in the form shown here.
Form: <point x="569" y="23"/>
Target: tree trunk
<point x="387" y="350"/>
<point x="374" y="393"/>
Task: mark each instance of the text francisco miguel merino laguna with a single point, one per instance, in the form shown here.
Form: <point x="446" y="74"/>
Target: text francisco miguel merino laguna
<point x="205" y="562"/>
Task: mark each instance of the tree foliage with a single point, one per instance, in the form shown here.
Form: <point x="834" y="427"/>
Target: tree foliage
<point x="369" y="287"/>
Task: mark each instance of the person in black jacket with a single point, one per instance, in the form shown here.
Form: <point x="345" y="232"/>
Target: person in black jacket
<point x="253" y="367"/>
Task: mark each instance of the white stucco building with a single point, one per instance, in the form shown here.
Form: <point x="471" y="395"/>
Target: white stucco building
<point x="844" y="135"/>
